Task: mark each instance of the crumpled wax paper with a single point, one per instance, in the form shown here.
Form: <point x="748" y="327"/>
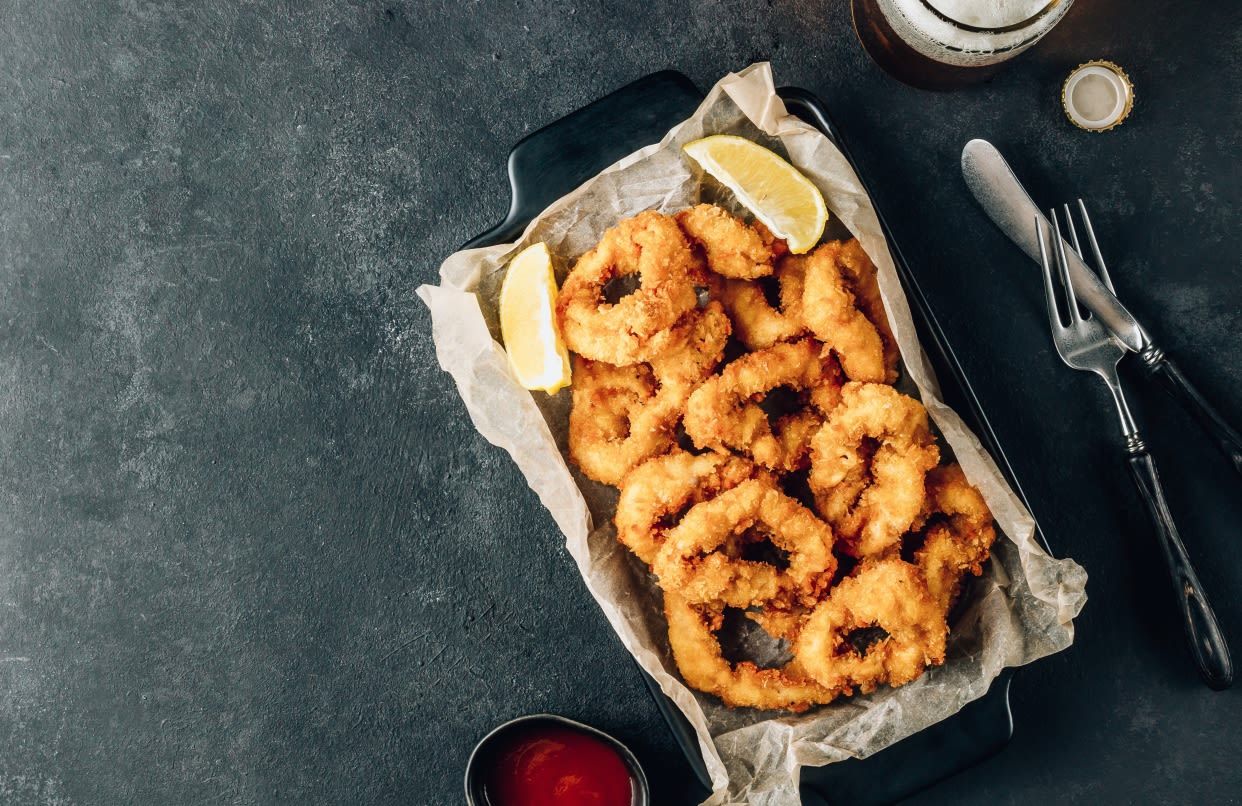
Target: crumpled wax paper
<point x="1020" y="610"/>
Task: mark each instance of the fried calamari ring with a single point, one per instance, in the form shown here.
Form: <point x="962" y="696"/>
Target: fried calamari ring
<point x="692" y="632"/>
<point x="829" y="310"/>
<point x="724" y="412"/>
<point x="686" y="354"/>
<point x="872" y="504"/>
<point x="733" y="248"/>
<point x="863" y="280"/>
<point x="618" y="418"/>
<point x="622" y="416"/>
<point x="889" y="594"/>
<point x="959" y="538"/>
<point x="656" y="493"/>
<point x="692" y="563"/>
<point x="757" y="323"/>
<point x="651" y="245"/>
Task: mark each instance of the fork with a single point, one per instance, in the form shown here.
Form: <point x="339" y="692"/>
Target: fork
<point x="1085" y="344"/>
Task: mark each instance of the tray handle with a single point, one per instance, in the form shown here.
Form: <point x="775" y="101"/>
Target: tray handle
<point x="583" y="143"/>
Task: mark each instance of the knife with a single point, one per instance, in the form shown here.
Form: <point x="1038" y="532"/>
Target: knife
<point x="1007" y="203"/>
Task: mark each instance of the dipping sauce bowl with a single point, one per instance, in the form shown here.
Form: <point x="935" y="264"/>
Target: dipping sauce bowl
<point x="549" y="760"/>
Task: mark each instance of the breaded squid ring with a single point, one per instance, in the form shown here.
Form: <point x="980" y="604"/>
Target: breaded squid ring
<point x="724" y="413"/>
<point x="622" y="416"/>
<point x="757" y="324"/>
<point x="733" y="249"/>
<point x="686" y="354"/>
<point x="618" y="419"/>
<point x="656" y="493"/>
<point x="960" y="540"/>
<point x="692" y="563"/>
<point x="692" y="636"/>
<point x="863" y="280"/>
<point x="889" y="594"/>
<point x="651" y="245"/>
<point x="828" y="308"/>
<point x="872" y="504"/>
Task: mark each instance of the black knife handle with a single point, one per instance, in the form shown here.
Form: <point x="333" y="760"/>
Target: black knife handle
<point x="1176" y="384"/>
<point x="1207" y="642"/>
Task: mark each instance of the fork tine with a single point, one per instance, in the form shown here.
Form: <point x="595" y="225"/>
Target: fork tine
<point x="1058" y="249"/>
<point x="1077" y="247"/>
<point x="1073" y="233"/>
<point x="1050" y="294"/>
<point x="1095" y="247"/>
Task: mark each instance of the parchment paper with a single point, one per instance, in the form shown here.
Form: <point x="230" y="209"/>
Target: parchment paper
<point x="1020" y="610"/>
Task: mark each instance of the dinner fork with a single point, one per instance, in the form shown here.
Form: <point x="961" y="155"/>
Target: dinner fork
<point x="1086" y="344"/>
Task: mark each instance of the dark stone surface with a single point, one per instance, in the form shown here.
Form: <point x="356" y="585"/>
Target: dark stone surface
<point x="251" y="548"/>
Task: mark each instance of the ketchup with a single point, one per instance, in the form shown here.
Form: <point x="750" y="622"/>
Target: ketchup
<point x="555" y="765"/>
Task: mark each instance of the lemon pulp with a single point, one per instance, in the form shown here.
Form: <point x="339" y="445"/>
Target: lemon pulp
<point x="528" y="322"/>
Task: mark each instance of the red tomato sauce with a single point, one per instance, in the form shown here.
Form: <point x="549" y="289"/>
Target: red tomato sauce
<point x="555" y="765"/>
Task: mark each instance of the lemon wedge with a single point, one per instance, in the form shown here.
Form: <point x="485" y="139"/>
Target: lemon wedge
<point x="777" y="193"/>
<point x="528" y="321"/>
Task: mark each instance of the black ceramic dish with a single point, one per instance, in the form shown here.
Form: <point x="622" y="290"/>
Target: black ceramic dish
<point x="482" y="756"/>
<point x="559" y="157"/>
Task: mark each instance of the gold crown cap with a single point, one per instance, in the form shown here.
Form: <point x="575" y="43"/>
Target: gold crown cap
<point x="1107" y="105"/>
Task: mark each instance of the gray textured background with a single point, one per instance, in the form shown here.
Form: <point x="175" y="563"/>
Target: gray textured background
<point x="251" y="549"/>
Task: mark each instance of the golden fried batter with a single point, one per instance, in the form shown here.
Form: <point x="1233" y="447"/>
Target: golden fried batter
<point x="860" y="273"/>
<point x="888" y="594"/>
<point x="960" y="543"/>
<point x="757" y="323"/>
<point x="683" y="356"/>
<point x="872" y="504"/>
<point x="724" y="412"/>
<point x="618" y="419"/>
<point x="651" y="245"/>
<point x="828" y="308"/>
<point x="696" y="650"/>
<point x="690" y="561"/>
<point x="661" y="489"/>
<point x="733" y="248"/>
<point x="624" y="415"/>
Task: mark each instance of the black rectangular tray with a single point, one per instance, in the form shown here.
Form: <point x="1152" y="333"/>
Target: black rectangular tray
<point x="558" y="158"/>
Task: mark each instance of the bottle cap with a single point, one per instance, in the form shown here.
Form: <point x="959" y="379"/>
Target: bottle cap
<point x="1097" y="96"/>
